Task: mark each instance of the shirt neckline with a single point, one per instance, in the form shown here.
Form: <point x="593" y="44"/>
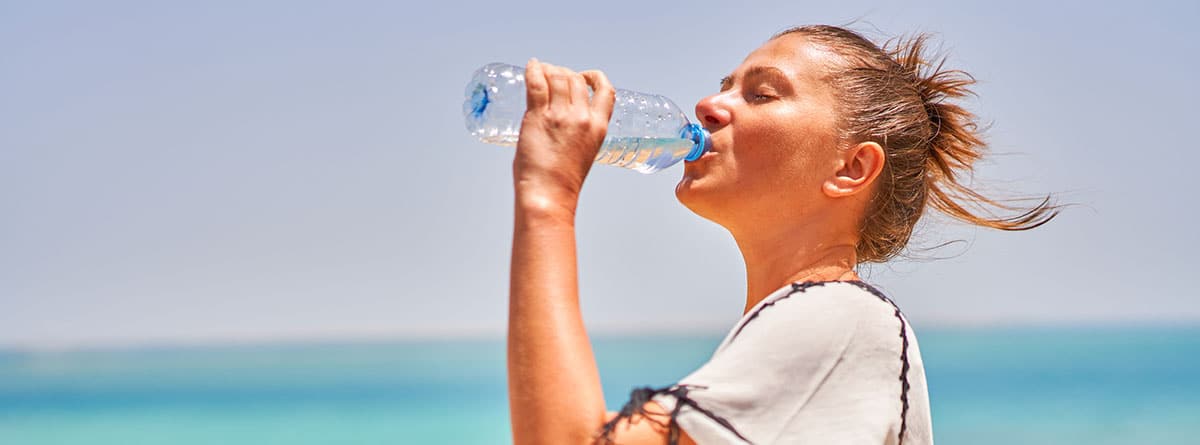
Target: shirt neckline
<point x="778" y="294"/>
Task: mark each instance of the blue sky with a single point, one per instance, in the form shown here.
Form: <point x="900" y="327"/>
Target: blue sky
<point x="299" y="170"/>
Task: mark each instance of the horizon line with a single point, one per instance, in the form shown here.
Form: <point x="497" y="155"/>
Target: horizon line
<point x="491" y="334"/>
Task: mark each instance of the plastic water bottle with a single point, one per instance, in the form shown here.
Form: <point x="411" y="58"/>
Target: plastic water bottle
<point x="647" y="132"/>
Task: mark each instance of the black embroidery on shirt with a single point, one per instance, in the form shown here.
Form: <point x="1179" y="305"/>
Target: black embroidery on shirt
<point x="904" y="366"/>
<point x="796" y="288"/>
<point x="639" y="396"/>
<point x="903" y="355"/>
<point x="636" y="406"/>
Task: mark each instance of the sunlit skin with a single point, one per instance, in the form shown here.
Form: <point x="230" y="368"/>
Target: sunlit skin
<point x="779" y="178"/>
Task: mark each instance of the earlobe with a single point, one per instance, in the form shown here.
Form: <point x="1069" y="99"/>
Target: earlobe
<point x="831" y="189"/>
<point x="860" y="166"/>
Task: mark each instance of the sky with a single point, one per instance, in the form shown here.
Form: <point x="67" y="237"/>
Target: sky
<point x="299" y="170"/>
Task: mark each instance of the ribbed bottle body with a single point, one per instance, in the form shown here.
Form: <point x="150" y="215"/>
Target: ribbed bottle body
<point x="647" y="132"/>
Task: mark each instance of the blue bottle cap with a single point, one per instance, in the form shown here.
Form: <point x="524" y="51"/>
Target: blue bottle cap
<point x="700" y="137"/>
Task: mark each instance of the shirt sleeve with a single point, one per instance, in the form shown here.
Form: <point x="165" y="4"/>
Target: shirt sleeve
<point x="761" y="378"/>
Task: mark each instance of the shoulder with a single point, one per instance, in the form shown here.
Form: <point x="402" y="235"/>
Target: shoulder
<point x="805" y="320"/>
<point x="806" y="342"/>
<point x="836" y="305"/>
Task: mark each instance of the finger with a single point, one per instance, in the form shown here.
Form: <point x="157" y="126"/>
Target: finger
<point x="604" y="95"/>
<point x="560" y="86"/>
<point x="579" y="90"/>
<point x="537" y="92"/>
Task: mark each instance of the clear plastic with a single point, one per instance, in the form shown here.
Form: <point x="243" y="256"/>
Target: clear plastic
<point x="647" y="132"/>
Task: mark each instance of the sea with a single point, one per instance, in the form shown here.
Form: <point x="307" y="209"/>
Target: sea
<point x="1044" y="385"/>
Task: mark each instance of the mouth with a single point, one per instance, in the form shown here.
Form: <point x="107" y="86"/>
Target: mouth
<point x="702" y="160"/>
<point x="713" y="148"/>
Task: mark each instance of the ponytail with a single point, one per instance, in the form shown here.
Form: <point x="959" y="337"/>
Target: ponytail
<point x="896" y="97"/>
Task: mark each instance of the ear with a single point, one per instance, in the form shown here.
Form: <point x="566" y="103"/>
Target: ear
<point x="859" y="166"/>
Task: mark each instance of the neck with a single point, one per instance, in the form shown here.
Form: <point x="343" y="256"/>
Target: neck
<point x="797" y="253"/>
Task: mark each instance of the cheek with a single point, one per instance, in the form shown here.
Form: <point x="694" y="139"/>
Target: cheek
<point x="778" y="147"/>
<point x="791" y="153"/>
<point x="774" y="155"/>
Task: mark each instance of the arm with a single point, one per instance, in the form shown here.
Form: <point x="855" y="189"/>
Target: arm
<point x="554" y="387"/>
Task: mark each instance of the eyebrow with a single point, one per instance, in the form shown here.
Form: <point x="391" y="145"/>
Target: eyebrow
<point x="757" y="70"/>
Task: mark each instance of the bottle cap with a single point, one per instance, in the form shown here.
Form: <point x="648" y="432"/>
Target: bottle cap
<point x="700" y="138"/>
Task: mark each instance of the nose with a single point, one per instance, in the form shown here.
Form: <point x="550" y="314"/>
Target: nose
<point x="713" y="113"/>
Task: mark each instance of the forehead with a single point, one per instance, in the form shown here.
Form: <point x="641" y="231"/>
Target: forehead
<point x="796" y="56"/>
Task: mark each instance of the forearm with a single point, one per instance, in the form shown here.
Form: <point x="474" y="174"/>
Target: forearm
<point x="554" y="387"/>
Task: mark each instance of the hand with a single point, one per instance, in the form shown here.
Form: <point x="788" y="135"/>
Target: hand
<point x="560" y="135"/>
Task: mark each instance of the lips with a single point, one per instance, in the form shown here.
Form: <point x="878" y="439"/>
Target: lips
<point x="713" y="149"/>
<point x="703" y="158"/>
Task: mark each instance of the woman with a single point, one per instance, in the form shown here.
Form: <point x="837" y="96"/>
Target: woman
<point x="826" y="150"/>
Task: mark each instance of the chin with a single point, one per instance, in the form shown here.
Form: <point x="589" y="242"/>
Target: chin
<point x="697" y="195"/>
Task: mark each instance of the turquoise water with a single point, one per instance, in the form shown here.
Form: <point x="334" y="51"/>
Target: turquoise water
<point x="1027" y="386"/>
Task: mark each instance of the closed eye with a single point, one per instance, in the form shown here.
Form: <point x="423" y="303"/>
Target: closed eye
<point x="764" y="95"/>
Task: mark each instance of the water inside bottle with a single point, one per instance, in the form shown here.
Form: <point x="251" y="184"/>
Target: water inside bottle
<point x="643" y="154"/>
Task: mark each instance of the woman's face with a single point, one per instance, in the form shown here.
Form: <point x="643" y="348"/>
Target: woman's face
<point x="774" y="138"/>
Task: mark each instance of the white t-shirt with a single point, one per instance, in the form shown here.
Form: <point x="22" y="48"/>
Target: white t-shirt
<point x="816" y="362"/>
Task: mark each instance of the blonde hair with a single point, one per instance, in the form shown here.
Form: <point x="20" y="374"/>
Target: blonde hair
<point x="899" y="98"/>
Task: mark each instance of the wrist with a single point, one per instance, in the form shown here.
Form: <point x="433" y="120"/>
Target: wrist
<point x="544" y="206"/>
